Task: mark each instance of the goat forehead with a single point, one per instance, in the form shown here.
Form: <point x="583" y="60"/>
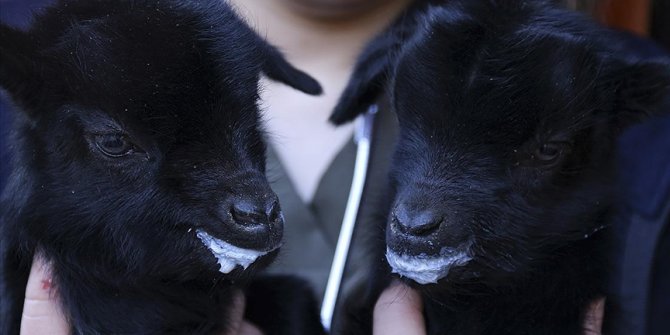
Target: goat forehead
<point x="147" y="48"/>
<point x="150" y="65"/>
<point x="166" y="87"/>
<point x="500" y="95"/>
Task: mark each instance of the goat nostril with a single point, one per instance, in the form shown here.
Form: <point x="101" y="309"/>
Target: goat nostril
<point x="413" y="223"/>
<point x="274" y="212"/>
<point x="424" y="227"/>
<point x="250" y="212"/>
<point x="246" y="213"/>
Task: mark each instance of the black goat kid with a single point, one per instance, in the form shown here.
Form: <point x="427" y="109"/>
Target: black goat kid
<point x="502" y="179"/>
<point x="139" y="165"/>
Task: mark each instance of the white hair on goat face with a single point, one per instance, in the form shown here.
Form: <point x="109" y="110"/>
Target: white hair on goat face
<point x="425" y="269"/>
<point x="228" y="255"/>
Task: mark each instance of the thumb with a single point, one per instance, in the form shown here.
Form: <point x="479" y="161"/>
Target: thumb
<point x="238" y="326"/>
<point x="41" y="311"/>
<point x="593" y="322"/>
<point x="399" y="310"/>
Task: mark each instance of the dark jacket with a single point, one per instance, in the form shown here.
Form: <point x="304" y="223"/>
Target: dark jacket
<point x="16" y="13"/>
<point x="640" y="294"/>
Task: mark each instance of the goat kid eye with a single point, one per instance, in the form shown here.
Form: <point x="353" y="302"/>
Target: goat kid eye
<point x="549" y="152"/>
<point x="114" y="145"/>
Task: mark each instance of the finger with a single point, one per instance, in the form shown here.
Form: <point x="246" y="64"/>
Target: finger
<point x="236" y="313"/>
<point x="593" y="321"/>
<point x="399" y="311"/>
<point x="41" y="311"/>
<point x="238" y="326"/>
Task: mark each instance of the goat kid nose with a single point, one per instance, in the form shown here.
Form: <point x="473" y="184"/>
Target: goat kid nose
<point x="256" y="212"/>
<point x="413" y="221"/>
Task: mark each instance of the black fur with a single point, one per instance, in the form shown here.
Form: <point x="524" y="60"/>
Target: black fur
<point x="508" y="114"/>
<point x="291" y="299"/>
<point x="139" y="125"/>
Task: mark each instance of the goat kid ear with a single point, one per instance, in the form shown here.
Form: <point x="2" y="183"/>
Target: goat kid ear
<point x="276" y="67"/>
<point x="637" y="89"/>
<point x="368" y="80"/>
<point x="18" y="68"/>
<point x="374" y="67"/>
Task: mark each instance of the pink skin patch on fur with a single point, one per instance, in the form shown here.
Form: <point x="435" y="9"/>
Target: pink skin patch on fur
<point x="46" y="284"/>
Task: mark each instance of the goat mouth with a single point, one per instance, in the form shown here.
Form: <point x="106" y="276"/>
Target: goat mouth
<point x="230" y="256"/>
<point x="427" y="269"/>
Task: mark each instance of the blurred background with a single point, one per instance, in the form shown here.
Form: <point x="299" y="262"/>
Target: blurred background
<point x="650" y="18"/>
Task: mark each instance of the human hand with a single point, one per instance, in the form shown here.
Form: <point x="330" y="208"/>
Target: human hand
<point x="42" y="313"/>
<point x="399" y="310"/>
<point x="593" y="321"/>
<point x="240" y="326"/>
